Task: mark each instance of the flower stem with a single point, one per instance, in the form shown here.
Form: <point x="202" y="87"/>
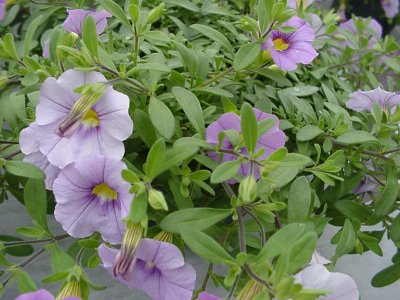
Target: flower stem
<point x="56" y="238"/>
<point x="366" y="152"/>
<point x="215" y="78"/>
<point x="9" y="142"/>
<point x="11" y="155"/>
<point x="257" y="220"/>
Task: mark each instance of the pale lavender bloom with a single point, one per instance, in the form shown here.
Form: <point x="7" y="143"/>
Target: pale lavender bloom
<point x="46" y="49"/>
<point x="273" y="139"/>
<point x="372" y="31"/>
<point x="317" y="258"/>
<point x="100" y="131"/>
<point x="289" y="49"/>
<point x="30" y="147"/>
<point x="296" y="3"/>
<point x="2" y="9"/>
<point x="76" y="17"/>
<point x="92" y="196"/>
<point x="41" y="294"/>
<point x="207" y="296"/>
<point x="391" y="8"/>
<point x="316" y="276"/>
<point x="160" y="270"/>
<point x="364" y="100"/>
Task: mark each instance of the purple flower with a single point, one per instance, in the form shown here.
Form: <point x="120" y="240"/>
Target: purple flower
<point x="46" y="49"/>
<point x="2" y="9"/>
<point x="160" y="270"/>
<point x="364" y="100"/>
<point x="273" y="139"/>
<point x="92" y="196"/>
<point x="30" y="147"/>
<point x="391" y="8"/>
<point x="317" y="258"/>
<point x="296" y="3"/>
<point x="289" y="49"/>
<point x="76" y="17"/>
<point x="372" y="31"/>
<point x="99" y="131"/>
<point x="41" y="294"/>
<point x="207" y="296"/>
<point x="316" y="276"/>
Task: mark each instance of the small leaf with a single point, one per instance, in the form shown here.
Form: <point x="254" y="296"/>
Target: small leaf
<point x="144" y="127"/>
<point x="155" y="159"/>
<point x="308" y="132"/>
<point x="24" y="169"/>
<point x="138" y="210"/>
<point x="387" y="276"/>
<point x="35" y="198"/>
<point x="301" y="251"/>
<point x="89" y="35"/>
<point x="30" y="33"/>
<point x="299" y="200"/>
<point x="246" y="55"/>
<point x="115" y="10"/>
<point x="347" y="239"/>
<point x="162" y="118"/>
<point x="387" y="199"/>
<point x="249" y="126"/>
<point x="213" y="34"/>
<point x="356" y="137"/>
<point x="225" y="171"/>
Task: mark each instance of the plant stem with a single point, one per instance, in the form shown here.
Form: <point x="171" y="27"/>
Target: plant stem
<point x="233" y="288"/>
<point x="242" y="231"/>
<point x="17" y="243"/>
<point x="11" y="155"/>
<point x="391" y="151"/>
<point x="278" y="222"/>
<point x="257" y="220"/>
<point x="215" y="78"/>
<point x="9" y="142"/>
<point x="237" y="155"/>
<point x="205" y="281"/>
<point x="366" y="152"/>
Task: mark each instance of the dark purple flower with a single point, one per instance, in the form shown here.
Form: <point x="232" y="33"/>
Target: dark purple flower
<point x="273" y="139"/>
<point x="76" y="17"/>
<point x="207" y="296"/>
<point x="372" y="31"/>
<point x="341" y="286"/>
<point x="41" y="294"/>
<point x="391" y="8"/>
<point x="364" y="100"/>
<point x="289" y="49"/>
<point x="92" y="196"/>
<point x="160" y="270"/>
<point x="2" y="9"/>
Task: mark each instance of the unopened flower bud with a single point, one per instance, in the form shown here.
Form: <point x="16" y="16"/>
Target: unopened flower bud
<point x="125" y="259"/>
<point x="155" y="13"/>
<point x="248" y="23"/>
<point x="71" y="289"/>
<point x="4" y="80"/>
<point x="157" y="200"/>
<point x="250" y="290"/>
<point x="248" y="189"/>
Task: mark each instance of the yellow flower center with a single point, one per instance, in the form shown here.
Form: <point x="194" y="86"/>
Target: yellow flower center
<point x="91" y="119"/>
<point x="102" y="190"/>
<point x="280" y="44"/>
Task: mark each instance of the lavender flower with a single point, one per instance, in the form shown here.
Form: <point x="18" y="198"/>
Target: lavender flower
<point x="372" y="31"/>
<point x="76" y="17"/>
<point x="92" y="196"/>
<point x="364" y="100"/>
<point x="391" y="8"/>
<point x="30" y="147"/>
<point x="94" y="129"/>
<point x="42" y="294"/>
<point x="296" y="3"/>
<point x="160" y="270"/>
<point x="46" y="49"/>
<point x="2" y="9"/>
<point x="207" y="296"/>
<point x="289" y="49"/>
<point x="273" y="139"/>
<point x="316" y="276"/>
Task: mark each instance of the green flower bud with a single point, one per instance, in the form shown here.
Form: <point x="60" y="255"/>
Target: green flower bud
<point x="248" y="190"/>
<point x="157" y="200"/>
<point x="155" y="13"/>
<point x="248" y="23"/>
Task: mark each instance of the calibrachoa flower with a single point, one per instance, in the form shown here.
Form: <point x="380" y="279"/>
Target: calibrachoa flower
<point x="316" y="276"/>
<point x="160" y="270"/>
<point x="30" y="147"/>
<point x="207" y="296"/>
<point x="97" y="129"/>
<point x="273" y="139"/>
<point x="296" y="3"/>
<point x="42" y="294"/>
<point x="364" y="100"/>
<point x="372" y="32"/>
<point x="92" y="196"/>
<point x="2" y="9"/>
<point x="289" y="49"/>
<point x="391" y="8"/>
<point x="76" y="17"/>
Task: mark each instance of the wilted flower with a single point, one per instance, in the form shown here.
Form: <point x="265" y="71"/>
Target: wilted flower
<point x="316" y="276"/>
<point x="92" y="196"/>
<point x="391" y="8"/>
<point x="30" y="147"/>
<point x="71" y="126"/>
<point x="296" y="3"/>
<point x="364" y="100"/>
<point x="42" y="294"/>
<point x="207" y="296"/>
<point x="289" y="49"/>
<point x="372" y="31"/>
<point x="160" y="270"/>
<point x="76" y="17"/>
<point x="273" y="139"/>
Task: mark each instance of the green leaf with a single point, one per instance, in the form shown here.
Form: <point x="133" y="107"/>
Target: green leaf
<point x="155" y="159"/>
<point x="308" y="132"/>
<point x="246" y="55"/>
<point x="302" y="91"/>
<point x="177" y="154"/>
<point x="184" y="4"/>
<point x="35" y="199"/>
<point x="347" y="239"/>
<point x="249" y="126"/>
<point x="162" y="118"/>
<point x="356" y="137"/>
<point x="60" y="261"/>
<point x="299" y="200"/>
<point x="264" y="13"/>
<point x="387" y="199"/>
<point x="23" y="250"/>
<point x="225" y="171"/>
<point x="89" y="35"/>
<point x="301" y="251"/>
<point x="144" y="127"/>
<point x="205" y="246"/>
<point x="200" y="218"/>
<point x="9" y="45"/>
<point x="387" y="276"/>
<point x="149" y="66"/>
<point x="115" y="10"/>
<point x="352" y="209"/>
<point x="138" y="210"/>
<point x="30" y="33"/>
<point x="213" y="34"/>
<point x="25" y="282"/>
<point x="24" y="169"/>
<point x="192" y="108"/>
